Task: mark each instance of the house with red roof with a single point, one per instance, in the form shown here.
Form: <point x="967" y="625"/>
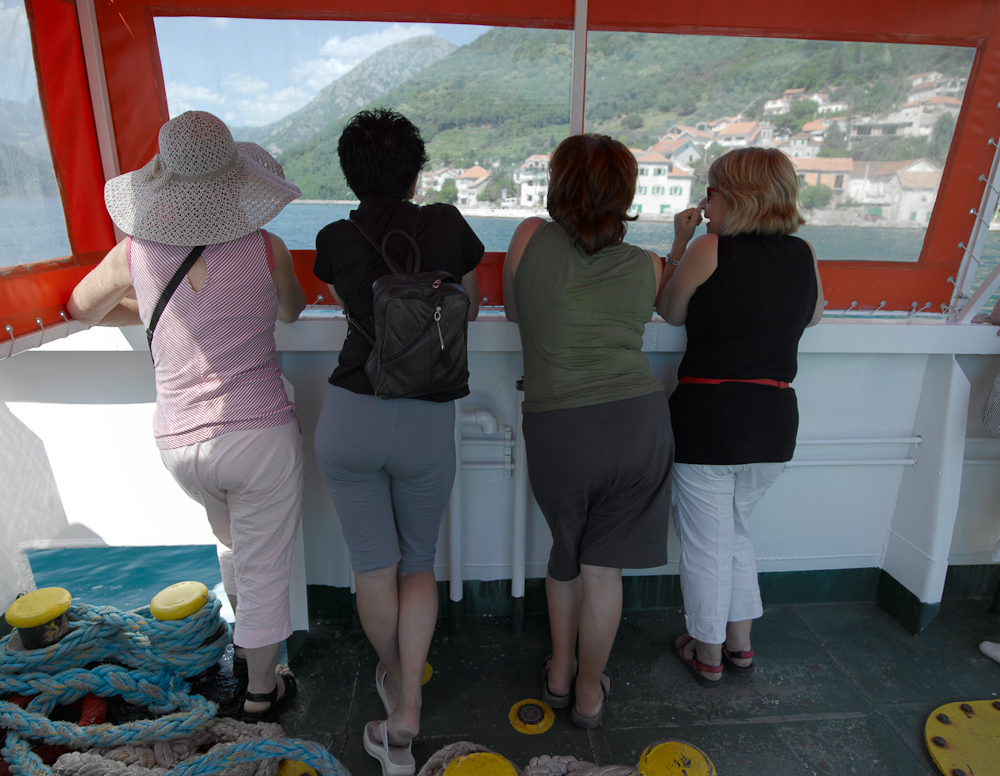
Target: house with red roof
<point x="470" y="184"/>
<point x="833" y="172"/>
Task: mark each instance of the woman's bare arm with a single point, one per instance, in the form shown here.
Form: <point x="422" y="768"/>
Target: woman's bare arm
<point x="518" y="242"/>
<point x="105" y="296"/>
<point x="291" y="297"/>
<point x="700" y="260"/>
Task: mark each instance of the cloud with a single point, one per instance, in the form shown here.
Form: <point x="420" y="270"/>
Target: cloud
<point x="184" y="97"/>
<point x="338" y="56"/>
<point x="241" y="83"/>
<point x="268" y="108"/>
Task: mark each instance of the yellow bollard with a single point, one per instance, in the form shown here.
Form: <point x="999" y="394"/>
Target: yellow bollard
<point x="675" y="758"/>
<point x="178" y="601"/>
<point x="295" y="768"/>
<point x="481" y="764"/>
<point x="40" y="616"/>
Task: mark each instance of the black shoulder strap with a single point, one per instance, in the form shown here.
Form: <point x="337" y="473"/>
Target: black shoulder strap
<point x="168" y="292"/>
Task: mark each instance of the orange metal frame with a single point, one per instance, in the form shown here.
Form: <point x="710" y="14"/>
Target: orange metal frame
<point x="139" y="107"/>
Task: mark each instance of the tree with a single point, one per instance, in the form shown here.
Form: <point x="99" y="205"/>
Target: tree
<point x="495" y="189"/>
<point x="940" y="141"/>
<point x="632" y="121"/>
<point x="448" y="193"/>
<point x="813" y="197"/>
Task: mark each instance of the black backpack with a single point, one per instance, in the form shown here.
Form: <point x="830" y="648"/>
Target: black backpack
<point x="421" y="323"/>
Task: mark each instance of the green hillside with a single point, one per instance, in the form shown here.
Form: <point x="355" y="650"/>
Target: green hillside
<point x="506" y="95"/>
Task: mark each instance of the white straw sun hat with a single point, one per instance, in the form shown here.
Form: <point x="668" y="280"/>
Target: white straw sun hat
<point x="201" y="189"/>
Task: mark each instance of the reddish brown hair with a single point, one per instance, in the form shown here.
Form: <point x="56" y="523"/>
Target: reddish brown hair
<point x="591" y="188"/>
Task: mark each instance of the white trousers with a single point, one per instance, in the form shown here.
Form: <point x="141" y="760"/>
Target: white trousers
<point x="712" y="505"/>
<point x="250" y="483"/>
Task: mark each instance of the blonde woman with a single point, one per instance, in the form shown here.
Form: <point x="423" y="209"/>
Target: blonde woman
<point x="744" y="292"/>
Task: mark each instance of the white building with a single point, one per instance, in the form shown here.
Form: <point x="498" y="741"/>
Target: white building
<point x="663" y="187"/>
<point x="532" y="180"/>
<point x="470" y="185"/>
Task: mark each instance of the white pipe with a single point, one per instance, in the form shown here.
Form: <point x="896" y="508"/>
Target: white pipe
<point x="485" y="419"/>
<point x="578" y="82"/>
<point x="519" y="553"/>
<point x="914" y="440"/>
<point x="455" y="516"/>
<point x="856" y="462"/>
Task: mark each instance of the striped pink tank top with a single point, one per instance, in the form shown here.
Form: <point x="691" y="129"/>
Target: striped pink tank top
<point x="216" y="366"/>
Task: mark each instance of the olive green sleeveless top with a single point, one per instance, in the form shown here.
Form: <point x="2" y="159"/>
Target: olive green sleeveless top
<point x="581" y="320"/>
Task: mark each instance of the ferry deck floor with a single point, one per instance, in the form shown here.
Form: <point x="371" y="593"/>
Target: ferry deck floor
<point x="838" y="689"/>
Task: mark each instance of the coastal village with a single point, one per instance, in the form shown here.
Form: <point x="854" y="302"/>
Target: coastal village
<point x="671" y="172"/>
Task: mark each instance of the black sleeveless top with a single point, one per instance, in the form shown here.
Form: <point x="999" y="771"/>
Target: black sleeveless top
<point x="446" y="242"/>
<point x="745" y="322"/>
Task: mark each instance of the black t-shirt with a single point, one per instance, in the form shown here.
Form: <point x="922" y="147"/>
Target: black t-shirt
<point x="446" y="242"/>
<point x="745" y="322"/>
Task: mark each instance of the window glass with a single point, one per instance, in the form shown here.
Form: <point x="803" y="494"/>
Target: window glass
<point x="491" y="104"/>
<point x="867" y="125"/>
<point x="32" y="223"/>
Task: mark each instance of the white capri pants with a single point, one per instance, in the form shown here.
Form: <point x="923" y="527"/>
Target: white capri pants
<point x="250" y="483"/>
<point x="712" y="505"/>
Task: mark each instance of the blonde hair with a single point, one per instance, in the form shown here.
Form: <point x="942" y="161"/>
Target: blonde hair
<point x="761" y="188"/>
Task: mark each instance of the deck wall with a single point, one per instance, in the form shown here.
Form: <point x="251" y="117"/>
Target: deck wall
<point x="855" y="505"/>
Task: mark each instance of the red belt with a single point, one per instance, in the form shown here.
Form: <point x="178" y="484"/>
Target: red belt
<point x="712" y="381"/>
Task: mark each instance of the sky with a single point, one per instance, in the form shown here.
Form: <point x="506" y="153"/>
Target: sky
<point x="17" y="67"/>
<point x="251" y="72"/>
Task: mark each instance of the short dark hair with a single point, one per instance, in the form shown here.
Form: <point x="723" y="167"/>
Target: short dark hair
<point x="381" y="152"/>
<point x="591" y="187"/>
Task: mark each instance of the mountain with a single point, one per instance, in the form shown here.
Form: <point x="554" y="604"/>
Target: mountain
<point x="506" y="95"/>
<point x="363" y="85"/>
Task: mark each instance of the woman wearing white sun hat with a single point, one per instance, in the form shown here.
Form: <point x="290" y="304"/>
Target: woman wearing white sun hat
<point x="224" y="425"/>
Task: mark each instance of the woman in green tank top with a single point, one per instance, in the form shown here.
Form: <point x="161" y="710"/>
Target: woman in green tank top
<point x="596" y="423"/>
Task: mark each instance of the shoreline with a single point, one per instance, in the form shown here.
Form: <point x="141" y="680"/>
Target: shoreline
<point x="851" y="218"/>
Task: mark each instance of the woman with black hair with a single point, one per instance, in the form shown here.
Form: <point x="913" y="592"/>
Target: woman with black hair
<point x="389" y="464"/>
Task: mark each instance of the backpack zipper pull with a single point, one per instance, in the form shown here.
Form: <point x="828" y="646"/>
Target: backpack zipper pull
<point x="437" y="321"/>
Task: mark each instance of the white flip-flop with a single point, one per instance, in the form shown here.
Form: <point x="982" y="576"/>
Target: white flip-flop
<point x="395" y="760"/>
<point x="380" y="674"/>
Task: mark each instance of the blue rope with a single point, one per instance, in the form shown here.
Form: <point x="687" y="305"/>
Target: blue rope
<point x="101" y="633"/>
<point x="225" y="757"/>
<point x="158" y="655"/>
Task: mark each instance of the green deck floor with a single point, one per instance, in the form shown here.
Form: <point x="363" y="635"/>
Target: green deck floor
<point x="839" y="689"/>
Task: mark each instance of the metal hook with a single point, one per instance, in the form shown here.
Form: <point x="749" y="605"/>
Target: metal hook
<point x="984" y="180"/>
<point x="62" y="314"/>
<point x="826" y="303"/>
<point x="853" y="305"/>
<point x="319" y="299"/>
<point x="880" y="306"/>
<point x="10" y="333"/>
<point x="914" y="310"/>
<point x="991" y="142"/>
<point x="39" y="324"/>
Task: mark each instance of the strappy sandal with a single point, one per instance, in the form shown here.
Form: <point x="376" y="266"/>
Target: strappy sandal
<point x="742" y="654"/>
<point x="395" y="760"/>
<point x="589" y="723"/>
<point x="549" y="697"/>
<point x="692" y="662"/>
<point x="272" y="711"/>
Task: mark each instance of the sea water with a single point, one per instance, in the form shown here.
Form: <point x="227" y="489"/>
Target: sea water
<point x="125" y="577"/>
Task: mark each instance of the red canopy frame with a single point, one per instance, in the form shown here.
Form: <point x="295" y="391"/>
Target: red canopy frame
<point x="138" y="108"/>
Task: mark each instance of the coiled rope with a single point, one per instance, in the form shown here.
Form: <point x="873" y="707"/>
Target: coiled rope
<point x="158" y="655"/>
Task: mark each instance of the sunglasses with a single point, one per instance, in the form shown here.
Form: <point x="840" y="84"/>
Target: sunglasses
<point x="709" y="192"/>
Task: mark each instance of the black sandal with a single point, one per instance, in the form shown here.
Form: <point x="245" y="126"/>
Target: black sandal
<point x="269" y="714"/>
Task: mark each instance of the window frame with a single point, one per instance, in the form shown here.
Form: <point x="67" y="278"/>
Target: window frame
<point x="125" y="77"/>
